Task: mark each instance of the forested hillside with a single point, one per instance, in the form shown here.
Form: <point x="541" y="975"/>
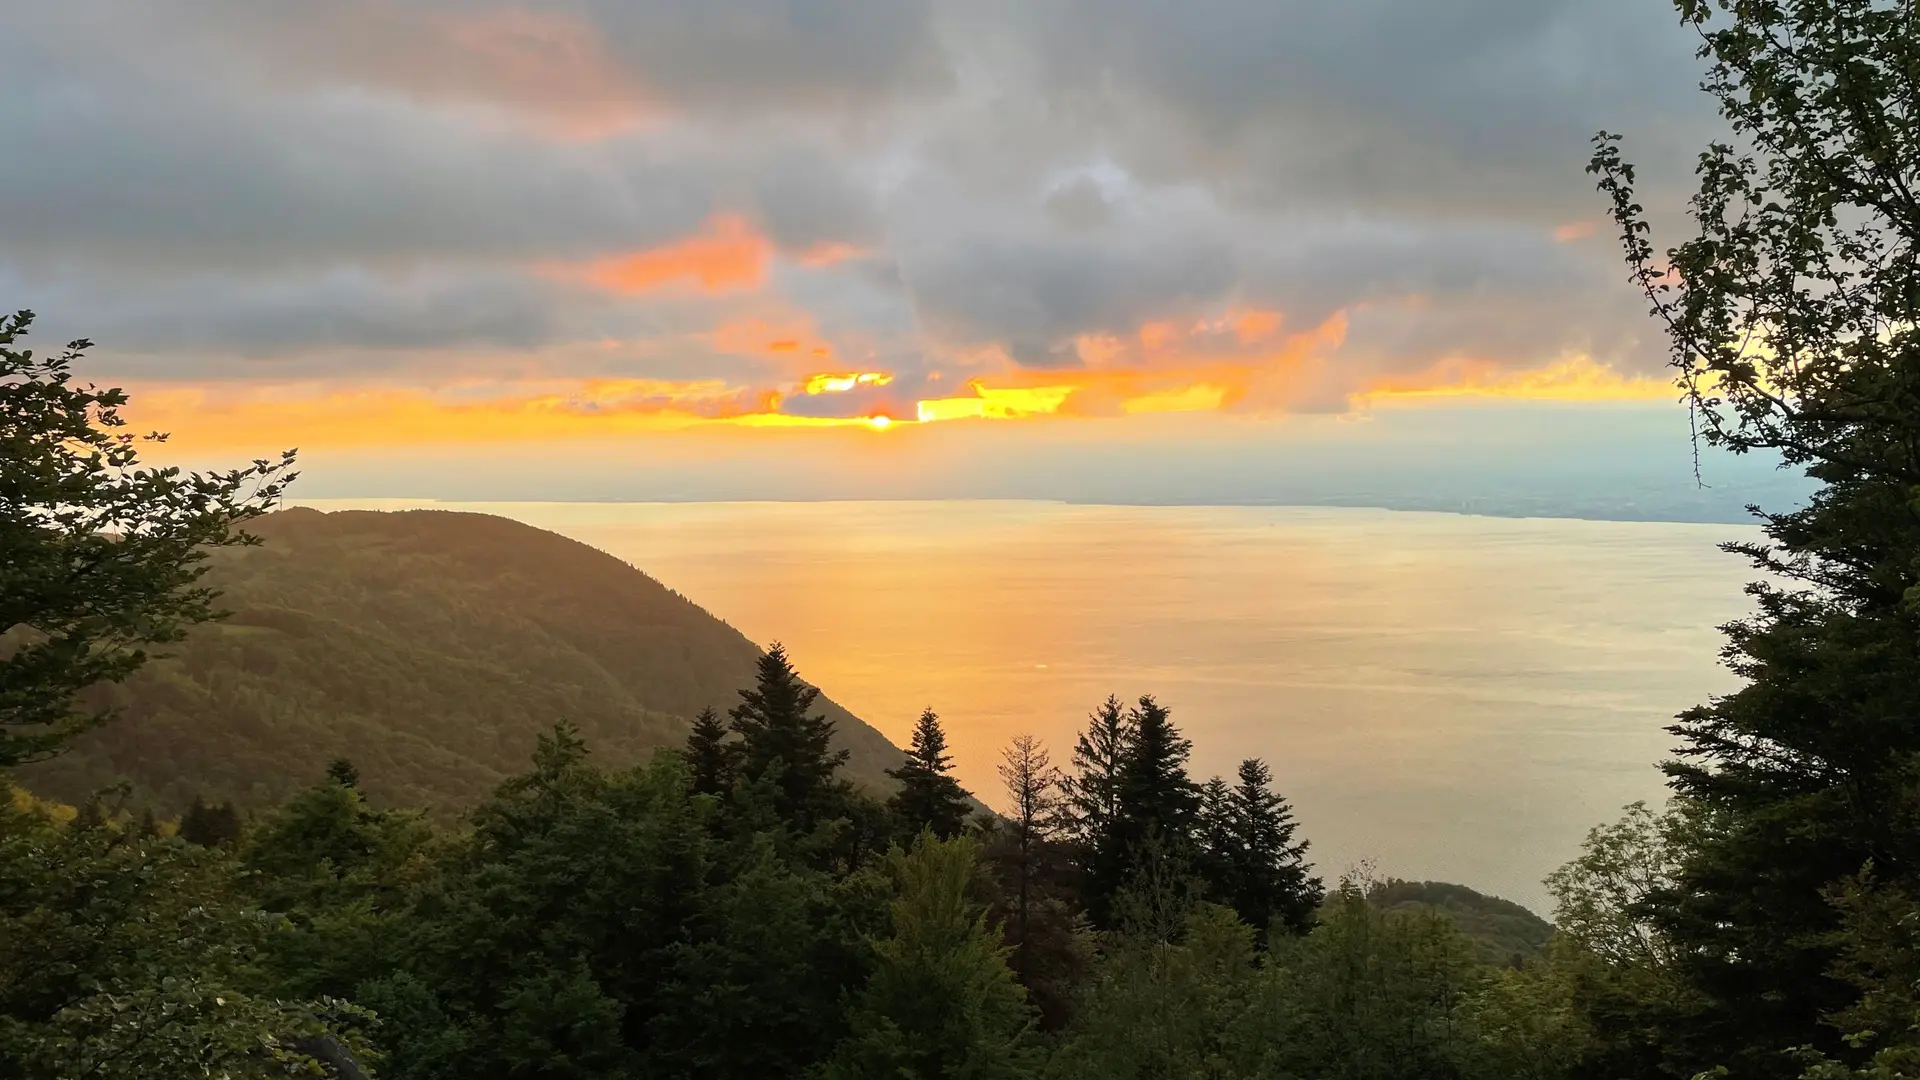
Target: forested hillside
<point x="431" y="648"/>
<point x="1502" y="931"/>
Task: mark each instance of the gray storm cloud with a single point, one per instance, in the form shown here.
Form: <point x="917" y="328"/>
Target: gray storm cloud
<point x="356" y="186"/>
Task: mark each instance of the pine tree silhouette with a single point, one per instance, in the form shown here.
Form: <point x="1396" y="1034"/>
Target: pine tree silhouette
<point x="710" y="757"/>
<point x="1092" y="796"/>
<point x="929" y="797"/>
<point x="342" y="772"/>
<point x="780" y="744"/>
<point x="1272" y="884"/>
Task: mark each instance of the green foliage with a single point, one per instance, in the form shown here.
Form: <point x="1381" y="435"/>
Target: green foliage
<point x="1369" y="995"/>
<point x="941" y="1002"/>
<point x="99" y="557"/>
<point x="1165" y="1010"/>
<point x="929" y="798"/>
<point x="123" y="955"/>
<point x="431" y="648"/>
<point x="1791" y="315"/>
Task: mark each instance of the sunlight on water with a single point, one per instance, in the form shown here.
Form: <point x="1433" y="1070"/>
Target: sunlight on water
<point x="1451" y="697"/>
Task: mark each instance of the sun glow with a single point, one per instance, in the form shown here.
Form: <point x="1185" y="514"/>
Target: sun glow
<point x="880" y="422"/>
<point x="836" y="383"/>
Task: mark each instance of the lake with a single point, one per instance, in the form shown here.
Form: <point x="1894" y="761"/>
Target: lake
<point x="1445" y="697"/>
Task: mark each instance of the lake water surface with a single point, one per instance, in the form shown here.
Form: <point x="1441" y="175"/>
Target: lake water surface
<point x="1448" y="697"/>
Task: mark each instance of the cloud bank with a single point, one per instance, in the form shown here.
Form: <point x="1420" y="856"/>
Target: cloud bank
<point x="541" y="219"/>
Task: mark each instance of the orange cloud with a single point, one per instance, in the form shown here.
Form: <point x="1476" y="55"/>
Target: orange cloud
<point x="726" y="254"/>
<point x="1252" y="326"/>
<point x="830" y="252"/>
<point x="1573" y="230"/>
<point x="793" y="337"/>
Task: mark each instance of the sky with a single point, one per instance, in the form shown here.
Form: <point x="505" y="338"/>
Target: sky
<point x="1098" y="249"/>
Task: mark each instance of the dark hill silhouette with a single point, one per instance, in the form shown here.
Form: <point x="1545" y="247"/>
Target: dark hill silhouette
<point x="1502" y="931"/>
<point x="427" y="646"/>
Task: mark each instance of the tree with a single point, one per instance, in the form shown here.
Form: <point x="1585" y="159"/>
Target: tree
<point x="710" y="757"/>
<point x="1034" y="905"/>
<point x="1163" y="1009"/>
<point x="100" y="557"/>
<point x="124" y="956"/>
<point x="210" y="824"/>
<point x="1269" y="880"/>
<point x="1032" y="785"/>
<point x="1626" y="972"/>
<point x="941" y="1001"/>
<point x="1092" y="795"/>
<point x="783" y="746"/>
<point x="1793" y="319"/>
<point x="342" y="772"/>
<point x="1368" y="995"/>
<point x="929" y="797"/>
<point x="1159" y="805"/>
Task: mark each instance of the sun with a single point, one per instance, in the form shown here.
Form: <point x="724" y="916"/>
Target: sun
<point x="880" y="422"/>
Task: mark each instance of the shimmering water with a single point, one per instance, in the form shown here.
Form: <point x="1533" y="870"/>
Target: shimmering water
<point x="1450" y="697"/>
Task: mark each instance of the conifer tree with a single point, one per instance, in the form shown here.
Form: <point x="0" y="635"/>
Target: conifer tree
<point x="341" y="771"/>
<point x="1157" y="798"/>
<point x="1032" y="785"/>
<point x="1035" y="905"/>
<point x="1214" y="846"/>
<point x="1792" y="319"/>
<point x="210" y="825"/>
<point x="1092" y="796"/>
<point x="710" y="757"/>
<point x="92" y="814"/>
<point x="1272" y="884"/>
<point x="780" y="744"/>
<point x="929" y="797"/>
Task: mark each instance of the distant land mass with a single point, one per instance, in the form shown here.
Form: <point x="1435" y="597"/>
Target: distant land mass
<point x="1502" y="931"/>
<point x="430" y="648"/>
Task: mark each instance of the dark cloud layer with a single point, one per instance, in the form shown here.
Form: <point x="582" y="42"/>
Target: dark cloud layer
<point x="370" y="181"/>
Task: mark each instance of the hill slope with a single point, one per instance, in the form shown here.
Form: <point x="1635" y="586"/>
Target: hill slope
<point x="430" y="648"/>
<point x="1502" y="931"/>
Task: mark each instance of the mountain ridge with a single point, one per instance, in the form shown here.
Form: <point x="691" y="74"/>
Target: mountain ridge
<point x="428" y="646"/>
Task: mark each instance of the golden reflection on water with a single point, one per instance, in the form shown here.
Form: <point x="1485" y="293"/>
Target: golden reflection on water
<point x="1451" y="697"/>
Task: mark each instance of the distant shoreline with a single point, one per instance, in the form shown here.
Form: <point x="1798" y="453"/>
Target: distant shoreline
<point x="1625" y="515"/>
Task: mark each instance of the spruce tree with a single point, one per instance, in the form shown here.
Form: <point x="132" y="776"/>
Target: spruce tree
<point x="710" y="757"/>
<point x="1092" y="796"/>
<point x="210" y="825"/>
<point x="781" y="745"/>
<point x="1273" y="886"/>
<point x="1157" y="798"/>
<point x="929" y="797"/>
<point x="341" y="771"/>
<point x="1793" y="321"/>
<point x="1215" y="847"/>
